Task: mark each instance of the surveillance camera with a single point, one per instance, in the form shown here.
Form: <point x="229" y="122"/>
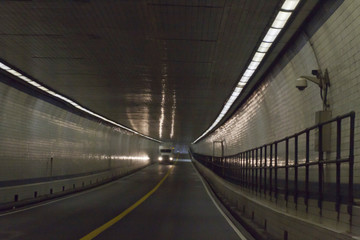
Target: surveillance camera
<point x="301" y="83"/>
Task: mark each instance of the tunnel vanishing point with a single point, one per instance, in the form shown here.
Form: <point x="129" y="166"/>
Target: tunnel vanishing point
<point x="180" y="119"/>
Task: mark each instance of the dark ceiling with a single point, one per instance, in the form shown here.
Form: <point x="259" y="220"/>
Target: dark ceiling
<point x="161" y="67"/>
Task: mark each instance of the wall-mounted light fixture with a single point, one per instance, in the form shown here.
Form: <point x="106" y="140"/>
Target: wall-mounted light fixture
<point x="321" y="79"/>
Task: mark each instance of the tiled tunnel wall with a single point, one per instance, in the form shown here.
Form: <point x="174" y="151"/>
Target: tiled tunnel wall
<point x="46" y="145"/>
<point x="277" y="109"/>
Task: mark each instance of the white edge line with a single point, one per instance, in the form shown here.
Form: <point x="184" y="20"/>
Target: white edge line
<point x="237" y="231"/>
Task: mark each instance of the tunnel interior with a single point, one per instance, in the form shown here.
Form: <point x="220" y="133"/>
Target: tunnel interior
<point x="256" y="102"/>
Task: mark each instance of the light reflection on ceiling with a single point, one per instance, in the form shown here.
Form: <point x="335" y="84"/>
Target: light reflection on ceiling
<point x="173" y="116"/>
<point x="162" y="116"/>
<point x="105" y="57"/>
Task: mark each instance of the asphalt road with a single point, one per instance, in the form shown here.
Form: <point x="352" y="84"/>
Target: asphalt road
<point x="179" y="209"/>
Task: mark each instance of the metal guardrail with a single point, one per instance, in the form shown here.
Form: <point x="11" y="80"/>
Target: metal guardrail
<point x="258" y="169"/>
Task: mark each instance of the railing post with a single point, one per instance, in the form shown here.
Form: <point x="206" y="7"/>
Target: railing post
<point x="247" y="168"/>
<point x="320" y="167"/>
<point x="296" y="171"/>
<point x="265" y="169"/>
<point x="252" y="169"/>
<point x="256" y="172"/>
<point x="351" y="166"/>
<point x="271" y="168"/>
<point x="276" y="171"/>
<point x="242" y="169"/>
<point x="261" y="166"/>
<point x="307" y="159"/>
<point x="223" y="161"/>
<point x="338" y="172"/>
<point x="287" y="170"/>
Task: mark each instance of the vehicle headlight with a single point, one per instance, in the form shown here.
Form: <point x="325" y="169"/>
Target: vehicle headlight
<point x="160" y="158"/>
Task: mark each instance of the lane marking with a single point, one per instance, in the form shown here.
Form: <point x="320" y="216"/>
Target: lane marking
<point x="108" y="224"/>
<point x="237" y="231"/>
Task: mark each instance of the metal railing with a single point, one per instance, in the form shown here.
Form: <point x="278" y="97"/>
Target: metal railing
<point x="259" y="169"/>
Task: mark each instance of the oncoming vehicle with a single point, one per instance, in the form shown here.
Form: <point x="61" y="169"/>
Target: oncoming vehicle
<point x="166" y="154"/>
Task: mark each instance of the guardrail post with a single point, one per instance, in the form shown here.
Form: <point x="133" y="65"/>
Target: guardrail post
<point x="276" y="171"/>
<point x="247" y="169"/>
<point x="265" y="168"/>
<point x="256" y="172"/>
<point x="252" y="170"/>
<point x="261" y="166"/>
<point x="351" y="166"/>
<point x="286" y="170"/>
<point x="338" y="172"/>
<point x="241" y="170"/>
<point x="270" y="169"/>
<point x="307" y="159"/>
<point x="296" y="171"/>
<point x="320" y="167"/>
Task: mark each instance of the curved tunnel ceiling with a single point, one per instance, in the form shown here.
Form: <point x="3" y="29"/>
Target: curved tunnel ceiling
<point x="161" y="67"/>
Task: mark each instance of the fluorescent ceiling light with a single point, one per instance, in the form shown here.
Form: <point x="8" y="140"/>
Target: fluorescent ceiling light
<point x="51" y="92"/>
<point x="35" y="84"/>
<point x="290" y="5"/>
<point x="3" y="66"/>
<point x="13" y="72"/>
<point x="26" y="79"/>
<point x="271" y="35"/>
<point x="258" y="57"/>
<point x="244" y="79"/>
<point x="43" y="88"/>
<point x="249" y="73"/>
<point x="264" y="47"/>
<point x="281" y="19"/>
<point x="74" y="104"/>
<point x="235" y="94"/>
<point x="253" y="65"/>
<point x="233" y="98"/>
<point x="237" y="90"/>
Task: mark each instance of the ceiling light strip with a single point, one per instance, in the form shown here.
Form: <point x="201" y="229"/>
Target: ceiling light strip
<point x="65" y="99"/>
<point x="273" y="32"/>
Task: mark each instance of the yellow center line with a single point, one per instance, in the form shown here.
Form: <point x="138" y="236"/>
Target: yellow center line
<point x="105" y="226"/>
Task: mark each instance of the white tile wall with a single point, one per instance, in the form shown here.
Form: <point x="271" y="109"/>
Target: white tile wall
<point x="277" y="109"/>
<point x="40" y="140"/>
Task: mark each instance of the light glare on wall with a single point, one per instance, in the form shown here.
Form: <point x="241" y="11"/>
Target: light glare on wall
<point x="74" y="104"/>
